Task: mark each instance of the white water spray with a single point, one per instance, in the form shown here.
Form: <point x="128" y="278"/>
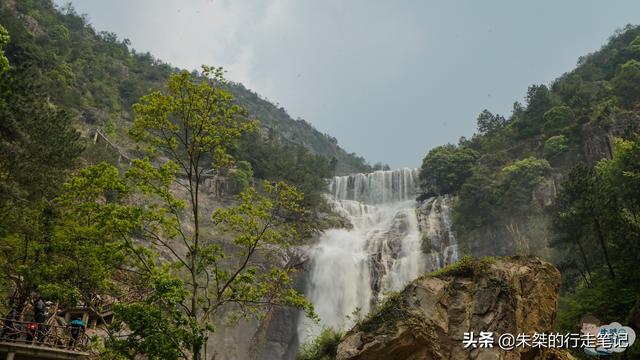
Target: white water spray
<point x="351" y="269"/>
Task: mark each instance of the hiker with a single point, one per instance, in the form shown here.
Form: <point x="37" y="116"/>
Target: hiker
<point x="39" y="316"/>
<point x="77" y="329"/>
<point x="39" y="310"/>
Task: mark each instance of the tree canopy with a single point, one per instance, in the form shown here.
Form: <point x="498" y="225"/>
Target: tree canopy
<point x="445" y="168"/>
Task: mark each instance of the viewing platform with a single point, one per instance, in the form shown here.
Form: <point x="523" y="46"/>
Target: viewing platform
<point x="21" y="340"/>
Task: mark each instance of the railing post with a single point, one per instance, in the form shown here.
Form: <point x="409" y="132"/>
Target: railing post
<point x="11" y="355"/>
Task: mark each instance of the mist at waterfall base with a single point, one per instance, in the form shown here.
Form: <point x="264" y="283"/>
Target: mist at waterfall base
<point x="392" y="241"/>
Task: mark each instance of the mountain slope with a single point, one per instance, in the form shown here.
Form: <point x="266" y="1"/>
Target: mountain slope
<point x="99" y="77"/>
<point x="560" y="178"/>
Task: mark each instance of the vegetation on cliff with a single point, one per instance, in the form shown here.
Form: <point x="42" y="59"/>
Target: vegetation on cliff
<point x="558" y="178"/>
<point x="98" y="77"/>
<point x="323" y="347"/>
<point x="142" y="235"/>
<point x="77" y="222"/>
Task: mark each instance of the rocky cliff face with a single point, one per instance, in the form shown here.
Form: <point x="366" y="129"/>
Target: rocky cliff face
<point x="437" y="238"/>
<point x="428" y="319"/>
<point x="272" y="336"/>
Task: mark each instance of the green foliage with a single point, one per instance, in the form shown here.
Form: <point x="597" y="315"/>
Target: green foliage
<point x="605" y="112"/>
<point x="194" y="123"/>
<point x="558" y="119"/>
<point x="622" y="173"/>
<point x="4" y="40"/>
<point x="625" y="83"/>
<point x="467" y="266"/>
<point x="161" y="322"/>
<point x="286" y="134"/>
<point x="98" y="77"/>
<point x="530" y="121"/>
<point x="38" y="147"/>
<point x="159" y="330"/>
<point x="37" y="142"/>
<point x="477" y="202"/>
<point x="489" y="123"/>
<point x="554" y="146"/>
<point x="519" y="179"/>
<point x="594" y="229"/>
<point x="107" y="224"/>
<point x="445" y="168"/>
<point x="504" y="287"/>
<point x="608" y="299"/>
<point x="595" y="224"/>
<point x="62" y="250"/>
<point x="494" y="209"/>
<point x="293" y="164"/>
<point x="324" y="347"/>
<point x="581" y="214"/>
<point x="242" y="175"/>
<point x="208" y="120"/>
<point x="389" y="311"/>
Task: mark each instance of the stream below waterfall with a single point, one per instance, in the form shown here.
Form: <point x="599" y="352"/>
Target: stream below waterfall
<point x="392" y="241"/>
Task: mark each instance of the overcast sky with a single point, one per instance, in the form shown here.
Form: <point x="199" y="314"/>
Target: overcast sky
<point x="388" y="79"/>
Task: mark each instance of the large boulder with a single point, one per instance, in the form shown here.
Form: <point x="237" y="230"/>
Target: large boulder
<point x="429" y="318"/>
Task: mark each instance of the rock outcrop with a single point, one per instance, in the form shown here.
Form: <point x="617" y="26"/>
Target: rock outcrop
<point x="438" y="240"/>
<point x="428" y="319"/>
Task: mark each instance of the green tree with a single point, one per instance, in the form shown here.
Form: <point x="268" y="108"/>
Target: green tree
<point x="595" y="222"/>
<point x="242" y="175"/>
<point x="557" y="119"/>
<point x="621" y="178"/>
<point x="555" y="146"/>
<point x="518" y="181"/>
<point x="445" y="168"/>
<point x="625" y="83"/>
<point x="581" y="215"/>
<point x="476" y="211"/>
<point x="61" y="251"/>
<point x="530" y="121"/>
<point x="489" y="123"/>
<point x="38" y="147"/>
<point x="293" y="164"/>
<point x="188" y="277"/>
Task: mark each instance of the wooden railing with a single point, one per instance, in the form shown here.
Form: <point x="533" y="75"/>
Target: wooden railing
<point x="45" y="335"/>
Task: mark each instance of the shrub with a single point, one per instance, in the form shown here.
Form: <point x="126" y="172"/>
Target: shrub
<point x="555" y="146"/>
<point x="557" y="119"/>
<point x="389" y="311"/>
<point x="241" y="175"/>
<point x="324" y="347"/>
<point x="625" y="83"/>
<point x="467" y="266"/>
<point x="445" y="168"/>
<point x="519" y="179"/>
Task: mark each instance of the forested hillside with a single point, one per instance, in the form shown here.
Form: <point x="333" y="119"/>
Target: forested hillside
<point x="98" y="77"/>
<point x="110" y="169"/>
<point x="146" y="231"/>
<point x="558" y="178"/>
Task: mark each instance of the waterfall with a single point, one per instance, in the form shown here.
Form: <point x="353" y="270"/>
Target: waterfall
<point x="393" y="240"/>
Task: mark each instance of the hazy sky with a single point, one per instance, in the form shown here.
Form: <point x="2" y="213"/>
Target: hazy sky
<point x="388" y="79"/>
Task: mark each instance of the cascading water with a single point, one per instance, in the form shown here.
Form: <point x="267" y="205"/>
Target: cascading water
<point x="392" y="242"/>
